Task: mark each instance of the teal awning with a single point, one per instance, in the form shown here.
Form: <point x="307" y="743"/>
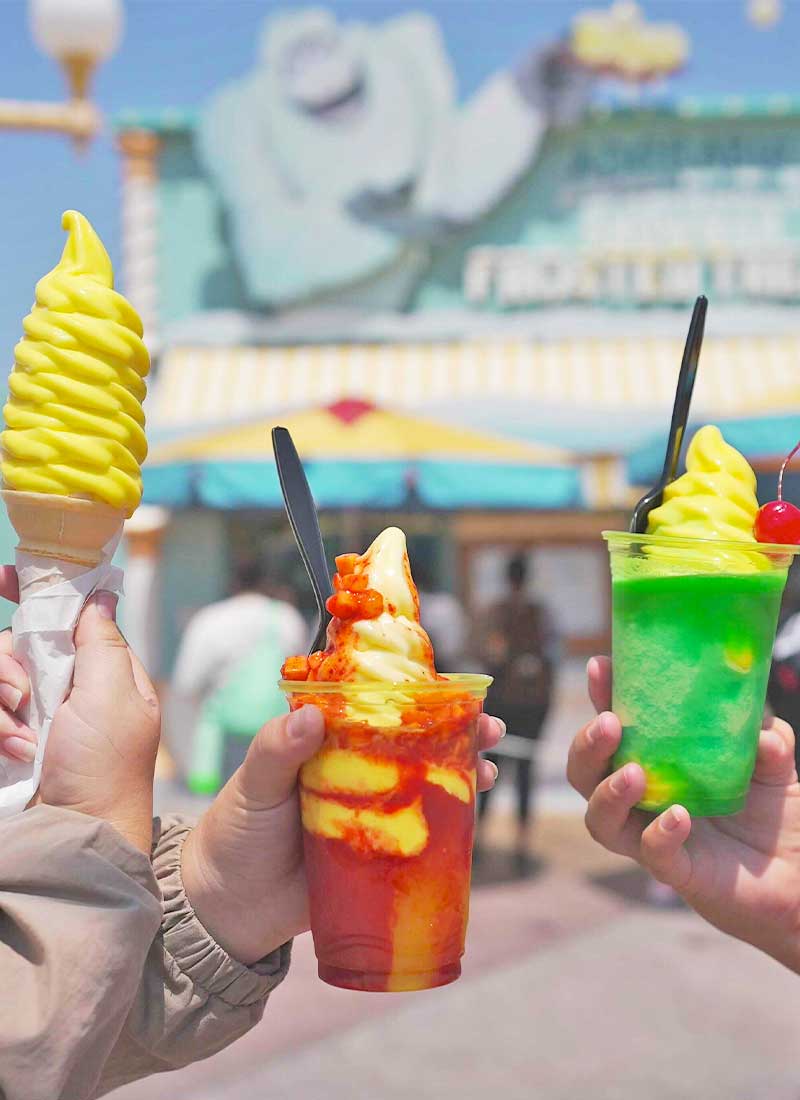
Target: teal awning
<point x="365" y="484"/>
<point x="757" y="438"/>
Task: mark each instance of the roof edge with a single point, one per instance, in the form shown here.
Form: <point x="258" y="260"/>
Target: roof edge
<point x="174" y="120"/>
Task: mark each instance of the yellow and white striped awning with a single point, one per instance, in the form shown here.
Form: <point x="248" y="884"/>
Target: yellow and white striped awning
<point x="739" y="376"/>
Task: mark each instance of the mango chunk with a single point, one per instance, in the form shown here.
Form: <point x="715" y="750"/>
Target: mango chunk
<point x="452" y="781"/>
<point x="340" y="771"/>
<point x="740" y="659"/>
<point x="403" y="832"/>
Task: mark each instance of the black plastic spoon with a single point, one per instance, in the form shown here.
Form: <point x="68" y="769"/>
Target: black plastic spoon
<point x="302" y="513"/>
<point x="680" y="415"/>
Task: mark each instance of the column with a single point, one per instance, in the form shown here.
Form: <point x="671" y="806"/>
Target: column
<point x="144" y="534"/>
<point x="604" y="482"/>
<point x="139" y="152"/>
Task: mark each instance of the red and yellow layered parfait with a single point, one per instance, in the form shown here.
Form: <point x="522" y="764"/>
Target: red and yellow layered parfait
<point x="388" y="804"/>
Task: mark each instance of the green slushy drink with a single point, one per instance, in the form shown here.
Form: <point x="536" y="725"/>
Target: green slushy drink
<point x="695" y="608"/>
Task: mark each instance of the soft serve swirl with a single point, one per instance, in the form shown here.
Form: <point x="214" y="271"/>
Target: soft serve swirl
<point x="715" y="500"/>
<point x="374" y="636"/>
<point x="74" y="418"/>
<point x="391" y="647"/>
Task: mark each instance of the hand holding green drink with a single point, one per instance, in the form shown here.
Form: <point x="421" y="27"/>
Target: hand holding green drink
<point x="695" y="608"/>
<point x="695" y="611"/>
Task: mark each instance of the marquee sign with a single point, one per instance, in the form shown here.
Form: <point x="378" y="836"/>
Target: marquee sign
<point x="524" y="194"/>
<point x="509" y="277"/>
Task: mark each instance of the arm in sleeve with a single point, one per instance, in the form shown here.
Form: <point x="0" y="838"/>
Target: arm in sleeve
<point x="78" y="912"/>
<point x="194" y="999"/>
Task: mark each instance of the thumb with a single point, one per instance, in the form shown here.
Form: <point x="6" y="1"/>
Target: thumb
<point x="269" y="773"/>
<point x="102" y="661"/>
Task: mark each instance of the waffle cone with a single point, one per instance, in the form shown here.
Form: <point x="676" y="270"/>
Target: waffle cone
<point x="65" y="529"/>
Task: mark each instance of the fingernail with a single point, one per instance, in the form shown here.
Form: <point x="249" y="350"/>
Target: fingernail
<point x="299" y="723"/>
<point x="621" y="781"/>
<point x="20" y="749"/>
<point x="670" y="820"/>
<point x="294" y="725"/>
<point x="593" y="732"/>
<point x="106" y="605"/>
<point x="591" y="666"/>
<point x="502" y="726"/>
<point x="10" y="696"/>
<point x="604" y="722"/>
<point x="495" y="769"/>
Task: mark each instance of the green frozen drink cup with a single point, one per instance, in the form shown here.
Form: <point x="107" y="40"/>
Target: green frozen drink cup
<point x="693" y="626"/>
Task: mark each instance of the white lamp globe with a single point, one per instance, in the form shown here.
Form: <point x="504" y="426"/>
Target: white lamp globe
<point x="88" y="29"/>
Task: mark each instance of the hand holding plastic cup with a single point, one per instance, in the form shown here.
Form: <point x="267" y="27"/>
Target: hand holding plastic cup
<point x="388" y="812"/>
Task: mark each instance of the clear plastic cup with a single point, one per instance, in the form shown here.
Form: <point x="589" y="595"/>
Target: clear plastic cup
<point x="694" y="624"/>
<point x="388" y="810"/>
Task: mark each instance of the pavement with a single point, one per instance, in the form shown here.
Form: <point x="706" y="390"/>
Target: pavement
<point x="574" y="985"/>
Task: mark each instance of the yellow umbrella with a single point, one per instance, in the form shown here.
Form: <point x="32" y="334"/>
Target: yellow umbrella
<point x="355" y="429"/>
<point x="359" y="455"/>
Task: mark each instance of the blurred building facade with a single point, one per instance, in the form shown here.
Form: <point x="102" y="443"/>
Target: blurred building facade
<point x="471" y="315"/>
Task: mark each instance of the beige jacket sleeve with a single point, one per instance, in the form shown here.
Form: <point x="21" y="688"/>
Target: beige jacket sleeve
<point x="193" y="999"/>
<point x="79" y="908"/>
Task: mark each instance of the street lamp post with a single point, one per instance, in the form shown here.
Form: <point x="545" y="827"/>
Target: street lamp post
<point x="79" y="34"/>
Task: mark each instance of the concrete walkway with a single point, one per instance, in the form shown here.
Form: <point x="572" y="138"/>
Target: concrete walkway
<point x="654" y="1006"/>
<point x="571" y="988"/>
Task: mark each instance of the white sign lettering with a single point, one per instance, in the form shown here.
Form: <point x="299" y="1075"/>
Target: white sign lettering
<point x="509" y="277"/>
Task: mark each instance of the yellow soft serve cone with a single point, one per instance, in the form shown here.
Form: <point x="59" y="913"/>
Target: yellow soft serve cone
<point x="74" y="418"/>
<point x="72" y="452"/>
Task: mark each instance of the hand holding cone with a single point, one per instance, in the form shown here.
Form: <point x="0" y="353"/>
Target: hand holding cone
<point x="72" y="452"/>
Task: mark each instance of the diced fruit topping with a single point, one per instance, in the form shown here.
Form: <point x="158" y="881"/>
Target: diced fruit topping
<point x="343" y="605"/>
<point x="779" y="520"/>
<point x="331" y="668"/>
<point x="355" y="605"/>
<point x="295" y="668"/>
<point x="355" y="582"/>
<point x="346" y="563"/>
<point x="350" y="582"/>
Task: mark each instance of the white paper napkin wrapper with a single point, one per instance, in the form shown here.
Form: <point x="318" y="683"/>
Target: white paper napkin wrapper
<point x="43" y="629"/>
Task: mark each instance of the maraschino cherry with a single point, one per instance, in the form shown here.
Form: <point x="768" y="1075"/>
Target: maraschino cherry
<point x="779" y="521"/>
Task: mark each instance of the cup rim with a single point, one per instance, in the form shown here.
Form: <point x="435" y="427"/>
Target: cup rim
<point x="474" y="682"/>
<point x="688" y="543"/>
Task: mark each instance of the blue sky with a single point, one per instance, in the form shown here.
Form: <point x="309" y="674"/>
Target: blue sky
<point x="176" y="51"/>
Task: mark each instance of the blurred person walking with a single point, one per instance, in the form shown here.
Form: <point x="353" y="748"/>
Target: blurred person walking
<point x="520" y="650"/>
<point x="224" y="684"/>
